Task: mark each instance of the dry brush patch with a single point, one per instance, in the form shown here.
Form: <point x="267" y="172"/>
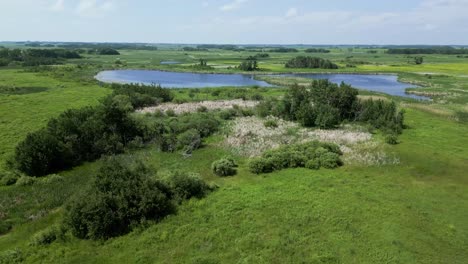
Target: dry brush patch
<point x="248" y="136"/>
<point x="194" y="106"/>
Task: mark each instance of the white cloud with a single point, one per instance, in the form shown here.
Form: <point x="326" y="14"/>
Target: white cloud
<point x="93" y="7"/>
<point x="58" y="6"/>
<point x="236" y="4"/>
<point x="292" y="12"/>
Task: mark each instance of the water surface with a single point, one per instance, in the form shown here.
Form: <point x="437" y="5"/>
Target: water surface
<point x="388" y="84"/>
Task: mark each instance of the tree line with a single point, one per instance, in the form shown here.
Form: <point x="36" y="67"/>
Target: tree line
<point x="433" y="50"/>
<point x="310" y="62"/>
<point x="35" y="57"/>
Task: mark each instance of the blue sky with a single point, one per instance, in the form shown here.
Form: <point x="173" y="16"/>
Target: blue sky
<point x="237" y="21"/>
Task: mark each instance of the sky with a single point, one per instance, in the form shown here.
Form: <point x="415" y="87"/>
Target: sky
<point x="237" y="21"/>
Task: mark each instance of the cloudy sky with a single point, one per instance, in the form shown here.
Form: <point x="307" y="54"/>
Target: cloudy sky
<point x="237" y="21"/>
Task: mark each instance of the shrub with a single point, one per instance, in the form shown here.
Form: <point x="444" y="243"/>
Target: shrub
<point x="52" y="179"/>
<point x="227" y="114"/>
<point x="311" y="155"/>
<point x="41" y="153"/>
<point x="7" y="178"/>
<point x="224" y="167"/>
<point x="271" y="123"/>
<point x="189" y="140"/>
<point x="185" y="186"/>
<point x="330" y="160"/>
<point x="391" y="139"/>
<point x="5" y="227"/>
<point x="121" y="195"/>
<point x="47" y="236"/>
<point x="25" y="181"/>
<point x="313" y="164"/>
<point x="310" y="62"/>
<point x="261" y="165"/>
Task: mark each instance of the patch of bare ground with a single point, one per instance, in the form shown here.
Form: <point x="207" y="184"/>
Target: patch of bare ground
<point x="194" y="106"/>
<point x="248" y="136"/>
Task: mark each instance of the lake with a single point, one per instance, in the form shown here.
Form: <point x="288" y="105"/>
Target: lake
<point x="388" y="84"/>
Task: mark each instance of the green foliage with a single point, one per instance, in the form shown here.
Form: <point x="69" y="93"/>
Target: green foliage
<point x="249" y="65"/>
<point x="41" y="153"/>
<point x="312" y="155"/>
<point x="314" y="50"/>
<point x="382" y="115"/>
<point x="47" y="236"/>
<point x="25" y="181"/>
<point x="323" y="104"/>
<point x="143" y="95"/>
<point x="35" y="57"/>
<point x="107" y="51"/>
<point x="184" y="186"/>
<point x="7" y="178"/>
<point x="418" y="60"/>
<point x="189" y="140"/>
<point x="310" y="62"/>
<point x="121" y="196"/>
<point x="224" y="167"/>
<point x="271" y="123"/>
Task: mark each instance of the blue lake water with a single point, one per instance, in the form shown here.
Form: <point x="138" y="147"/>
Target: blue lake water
<point x="388" y="84"/>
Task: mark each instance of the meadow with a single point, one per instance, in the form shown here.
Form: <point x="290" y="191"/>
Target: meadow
<point x="414" y="211"/>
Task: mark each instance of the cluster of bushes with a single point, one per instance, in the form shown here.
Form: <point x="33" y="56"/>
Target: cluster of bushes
<point x="429" y="50"/>
<point x="35" y="57"/>
<point x="117" y="46"/>
<point x="312" y="155"/>
<point x="224" y="167"/>
<point x="104" y="51"/>
<point x="314" y="50"/>
<point x="143" y="95"/>
<point x="325" y="104"/>
<point x="125" y="194"/>
<point x="382" y="115"/>
<point x="310" y="62"/>
<point x="193" y="49"/>
<point x="262" y="55"/>
<point x="283" y="50"/>
<point x="250" y="64"/>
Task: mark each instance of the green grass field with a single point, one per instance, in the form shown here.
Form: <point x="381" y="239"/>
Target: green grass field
<point x="413" y="212"/>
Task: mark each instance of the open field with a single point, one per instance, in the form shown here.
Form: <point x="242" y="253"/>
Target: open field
<point x="410" y="211"/>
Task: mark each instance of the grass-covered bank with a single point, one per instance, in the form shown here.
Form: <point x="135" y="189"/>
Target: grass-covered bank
<point x="412" y="210"/>
<point x="402" y="213"/>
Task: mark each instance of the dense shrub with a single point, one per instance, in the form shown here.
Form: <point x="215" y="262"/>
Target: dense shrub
<point x="7" y="178"/>
<point x="143" y="95"/>
<point x="381" y="114"/>
<point x="224" y="167"/>
<point x="186" y="185"/>
<point x="25" y="181"/>
<point x="189" y="140"/>
<point x="310" y="62"/>
<point x="121" y="196"/>
<point x="41" y="153"/>
<point x="47" y="236"/>
<point x="312" y="155"/>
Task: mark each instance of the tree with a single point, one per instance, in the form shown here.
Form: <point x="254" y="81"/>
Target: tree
<point x="418" y="60"/>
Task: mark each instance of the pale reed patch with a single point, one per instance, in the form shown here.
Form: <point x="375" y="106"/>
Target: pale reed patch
<point x="194" y="106"/>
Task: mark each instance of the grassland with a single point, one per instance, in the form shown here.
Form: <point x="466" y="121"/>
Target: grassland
<point x="412" y="212"/>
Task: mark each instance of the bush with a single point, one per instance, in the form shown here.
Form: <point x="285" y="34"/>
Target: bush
<point x="311" y="155"/>
<point x="313" y="164"/>
<point x="47" y="236"/>
<point x="25" y="181"/>
<point x="330" y="160"/>
<point x="271" y="123"/>
<point x="52" y="179"/>
<point x="310" y="62"/>
<point x="41" y="153"/>
<point x="7" y="178"/>
<point x="185" y="186"/>
<point x="121" y="196"/>
<point x="391" y="139"/>
<point x="224" y="167"/>
<point x="189" y="140"/>
<point x="5" y="227"/>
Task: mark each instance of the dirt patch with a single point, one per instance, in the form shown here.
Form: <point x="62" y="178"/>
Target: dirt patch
<point x="194" y="106"/>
